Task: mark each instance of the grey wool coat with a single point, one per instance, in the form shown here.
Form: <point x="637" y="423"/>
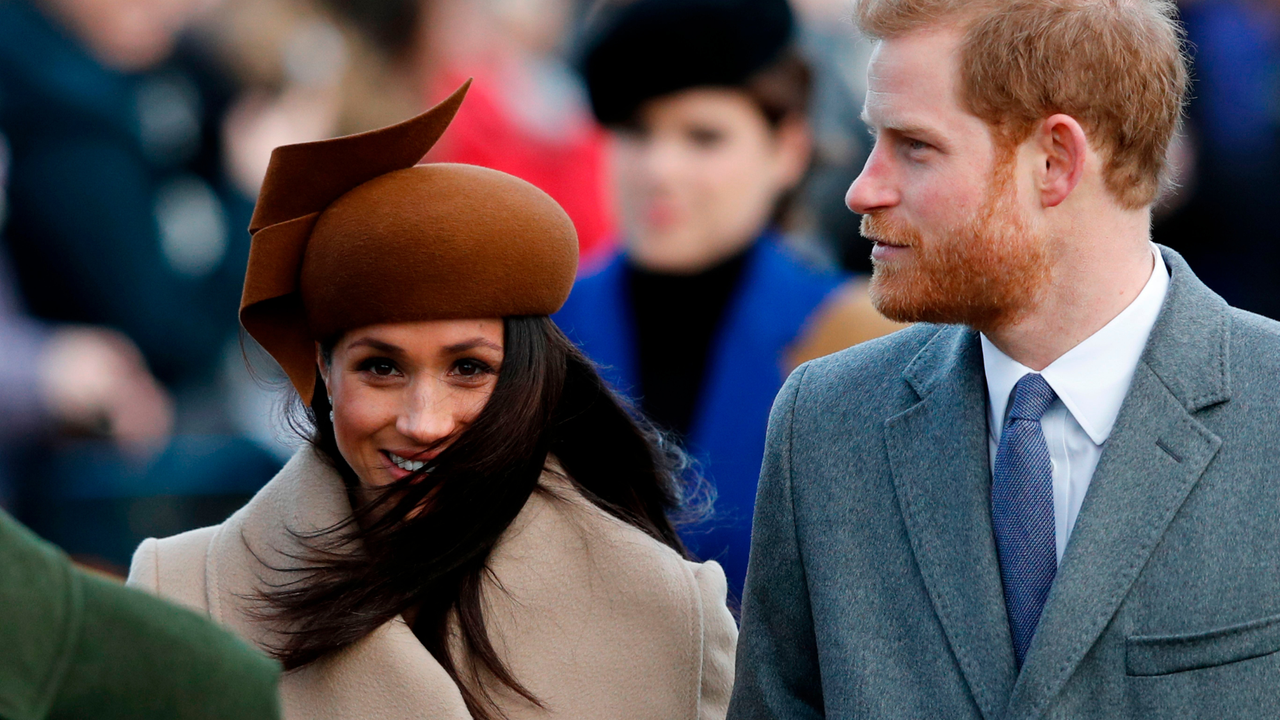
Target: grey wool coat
<point x="596" y="618"/>
<point x="874" y="590"/>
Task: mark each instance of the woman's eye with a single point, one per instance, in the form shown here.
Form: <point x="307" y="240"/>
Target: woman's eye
<point x="632" y="132"/>
<point x="471" y="368"/>
<point x="379" y="366"/>
<point x="705" y="137"/>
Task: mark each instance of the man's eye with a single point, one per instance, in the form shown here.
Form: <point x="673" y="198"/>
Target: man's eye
<point x="917" y="145"/>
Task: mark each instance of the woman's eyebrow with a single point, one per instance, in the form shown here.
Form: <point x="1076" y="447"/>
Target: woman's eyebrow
<point x="378" y="345"/>
<point x="473" y="343"/>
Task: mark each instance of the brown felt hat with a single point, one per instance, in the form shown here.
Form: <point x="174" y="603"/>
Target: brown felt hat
<point x="352" y="232"/>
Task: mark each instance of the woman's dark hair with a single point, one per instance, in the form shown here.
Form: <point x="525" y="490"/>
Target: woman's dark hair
<point x="427" y="539"/>
<point x="782" y="90"/>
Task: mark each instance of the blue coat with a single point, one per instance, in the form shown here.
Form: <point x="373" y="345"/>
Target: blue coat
<point x="777" y="296"/>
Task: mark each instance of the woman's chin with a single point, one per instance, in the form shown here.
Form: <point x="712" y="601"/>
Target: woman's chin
<point x="678" y="252"/>
<point x="381" y="475"/>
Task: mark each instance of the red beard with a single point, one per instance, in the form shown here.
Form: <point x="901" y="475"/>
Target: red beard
<point x="985" y="273"/>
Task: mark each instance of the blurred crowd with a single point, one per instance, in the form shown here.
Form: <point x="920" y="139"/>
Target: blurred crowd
<point x="134" y="135"/>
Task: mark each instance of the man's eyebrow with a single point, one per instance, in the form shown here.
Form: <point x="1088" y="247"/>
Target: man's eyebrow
<point x="471" y="344"/>
<point x="898" y="127"/>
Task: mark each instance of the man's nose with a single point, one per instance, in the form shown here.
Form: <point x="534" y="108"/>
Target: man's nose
<point x="873" y="189"/>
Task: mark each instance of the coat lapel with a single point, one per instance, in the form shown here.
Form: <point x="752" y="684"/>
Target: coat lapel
<point x="1157" y="452"/>
<point x="939" y="458"/>
<point x="387" y="674"/>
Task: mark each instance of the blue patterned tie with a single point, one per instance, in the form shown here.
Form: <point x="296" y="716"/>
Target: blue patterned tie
<point x="1022" y="510"/>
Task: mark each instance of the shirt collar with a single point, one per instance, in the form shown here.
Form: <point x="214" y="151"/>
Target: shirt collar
<point x="1092" y="378"/>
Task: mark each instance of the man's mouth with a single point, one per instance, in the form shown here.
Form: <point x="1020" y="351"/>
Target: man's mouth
<point x="887" y="252"/>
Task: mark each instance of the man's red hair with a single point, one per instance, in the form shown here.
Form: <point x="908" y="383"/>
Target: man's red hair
<point x="1117" y="66"/>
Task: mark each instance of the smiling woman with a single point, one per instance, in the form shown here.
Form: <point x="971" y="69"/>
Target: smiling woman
<point x="402" y="391"/>
<point x="479" y="527"/>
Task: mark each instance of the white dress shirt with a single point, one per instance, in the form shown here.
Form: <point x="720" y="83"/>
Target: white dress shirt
<point x="1091" y="381"/>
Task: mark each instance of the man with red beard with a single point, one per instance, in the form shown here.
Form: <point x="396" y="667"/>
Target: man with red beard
<point x="1057" y="495"/>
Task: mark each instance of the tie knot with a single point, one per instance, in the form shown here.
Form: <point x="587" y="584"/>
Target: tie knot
<point x="1032" y="396"/>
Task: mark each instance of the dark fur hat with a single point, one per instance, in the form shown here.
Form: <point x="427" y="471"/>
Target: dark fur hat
<point x="636" y="50"/>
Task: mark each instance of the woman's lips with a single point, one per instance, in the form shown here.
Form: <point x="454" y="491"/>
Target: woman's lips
<point x="399" y="473"/>
<point x="660" y="215"/>
<point x="395" y="471"/>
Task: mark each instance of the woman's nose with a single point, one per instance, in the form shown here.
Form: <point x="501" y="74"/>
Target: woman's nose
<point x="662" y="161"/>
<point x="429" y="414"/>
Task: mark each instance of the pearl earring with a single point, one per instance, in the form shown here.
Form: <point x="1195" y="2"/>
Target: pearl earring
<point x="330" y="409"/>
<point x="330" y="417"/>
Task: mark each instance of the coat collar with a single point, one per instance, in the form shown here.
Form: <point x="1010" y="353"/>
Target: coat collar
<point x="575" y="591"/>
<point x="1093" y="377"/>
<point x="1157" y="451"/>
<point x="938" y="458"/>
<point x="1190" y="345"/>
<point x="260" y="546"/>
<point x="387" y="674"/>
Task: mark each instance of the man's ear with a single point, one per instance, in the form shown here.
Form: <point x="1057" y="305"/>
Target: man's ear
<point x="1065" y="149"/>
<point x="795" y="149"/>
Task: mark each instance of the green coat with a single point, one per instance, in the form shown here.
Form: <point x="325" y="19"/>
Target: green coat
<point x="77" y="646"/>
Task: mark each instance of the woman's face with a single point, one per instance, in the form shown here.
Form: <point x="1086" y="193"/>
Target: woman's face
<point x="698" y="176"/>
<point x="400" y="389"/>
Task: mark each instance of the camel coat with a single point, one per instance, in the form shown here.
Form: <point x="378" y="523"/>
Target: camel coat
<point x="596" y="618"/>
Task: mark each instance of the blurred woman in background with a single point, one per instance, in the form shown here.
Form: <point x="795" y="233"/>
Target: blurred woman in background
<point x="479" y="528"/>
<point x="707" y="308"/>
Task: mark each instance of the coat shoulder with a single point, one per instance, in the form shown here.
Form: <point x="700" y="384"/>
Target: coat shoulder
<point x="871" y="371"/>
<point x="91" y="648"/>
<point x="593" y="550"/>
<point x="598" y="619"/>
<point x="1254" y="339"/>
<point x="175" y="567"/>
<point x="140" y="657"/>
<point x="1252" y="362"/>
<point x="38" y="591"/>
<point x="719" y="640"/>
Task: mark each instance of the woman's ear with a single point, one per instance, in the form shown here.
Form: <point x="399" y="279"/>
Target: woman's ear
<point x="322" y="362"/>
<point x="794" y="151"/>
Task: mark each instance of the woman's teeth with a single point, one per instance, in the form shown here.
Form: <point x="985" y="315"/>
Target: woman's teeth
<point x="403" y="464"/>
